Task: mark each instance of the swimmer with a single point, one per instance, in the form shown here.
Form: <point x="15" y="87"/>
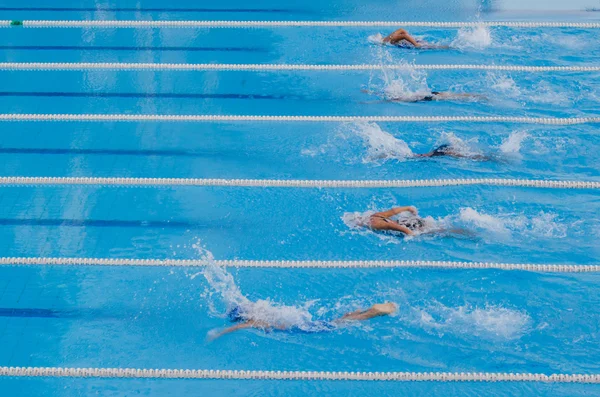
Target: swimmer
<point x="401" y="37"/>
<point x="447" y="150"/>
<point x="236" y="315"/>
<point x="430" y="96"/>
<point x="382" y="221"/>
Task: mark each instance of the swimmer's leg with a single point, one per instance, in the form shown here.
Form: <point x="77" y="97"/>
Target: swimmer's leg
<point x="462" y="232"/>
<point x="378" y="310"/>
<point x="454" y="233"/>
<point x="454" y="96"/>
<point x="428" y="154"/>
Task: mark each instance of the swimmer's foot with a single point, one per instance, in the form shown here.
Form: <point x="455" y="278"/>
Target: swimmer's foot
<point x="384" y="309"/>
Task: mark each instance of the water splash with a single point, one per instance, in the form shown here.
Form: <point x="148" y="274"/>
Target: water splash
<point x="357" y="220"/>
<point x="406" y="83"/>
<point x="545" y="92"/>
<point x="503" y="84"/>
<point x="226" y="294"/>
<point x="512" y="144"/>
<point x="489" y="322"/>
<point x="548" y="225"/>
<point x="478" y="38"/>
<point x="543" y="224"/>
<point x="379" y="144"/>
<point x="572" y="42"/>
<point x="483" y="221"/>
<point x="460" y="146"/>
<point x="376" y="38"/>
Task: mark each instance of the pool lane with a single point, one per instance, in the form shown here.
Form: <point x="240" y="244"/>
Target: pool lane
<point x="517" y="225"/>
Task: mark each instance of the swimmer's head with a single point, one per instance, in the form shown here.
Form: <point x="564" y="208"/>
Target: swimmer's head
<point x="413" y="223"/>
<point x="235" y="314"/>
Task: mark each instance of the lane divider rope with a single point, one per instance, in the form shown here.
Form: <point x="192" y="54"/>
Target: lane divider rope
<point x="343" y="119"/>
<point x="290" y="264"/>
<point x="293" y="183"/>
<point x="58" y="372"/>
<point x="45" y="66"/>
<point x="254" y="24"/>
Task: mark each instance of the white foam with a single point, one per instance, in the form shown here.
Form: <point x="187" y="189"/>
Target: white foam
<point x="546" y="93"/>
<point x="376" y="38"/>
<point x="379" y="144"/>
<point x="478" y="37"/>
<point x="504" y="84"/>
<point x="566" y="41"/>
<point x="546" y="224"/>
<point x="460" y="146"/>
<point x="490" y="322"/>
<point x="513" y="143"/>
<point x="357" y="220"/>
<point x="483" y="221"/>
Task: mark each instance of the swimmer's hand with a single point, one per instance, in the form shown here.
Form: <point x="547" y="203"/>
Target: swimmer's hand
<point x="413" y="210"/>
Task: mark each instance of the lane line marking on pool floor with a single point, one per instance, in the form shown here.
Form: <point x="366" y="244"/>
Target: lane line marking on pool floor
<point x="59" y="372"/>
<point x="257" y="24"/>
<point x="81" y="66"/>
<point x="289" y="183"/>
<point x="291" y="264"/>
<point x="343" y="119"/>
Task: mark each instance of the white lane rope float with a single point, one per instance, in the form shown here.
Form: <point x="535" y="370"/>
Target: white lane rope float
<point x="292" y="264"/>
<point x="84" y="66"/>
<point x="7" y="181"/>
<point x="264" y="24"/>
<point x="343" y="119"/>
<point x="60" y="372"/>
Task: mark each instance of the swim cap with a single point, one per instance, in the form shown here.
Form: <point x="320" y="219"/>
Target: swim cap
<point x="235" y="314"/>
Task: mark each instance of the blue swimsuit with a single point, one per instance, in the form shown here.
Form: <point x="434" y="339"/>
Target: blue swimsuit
<point x="235" y="315"/>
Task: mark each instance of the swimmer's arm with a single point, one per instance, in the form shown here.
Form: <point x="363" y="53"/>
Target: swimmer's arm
<point x="237" y="327"/>
<point x="428" y="154"/>
<point x="396" y="211"/>
<point x="398" y="36"/>
<point x="461" y="95"/>
<point x="400" y="228"/>
<point x="388" y="38"/>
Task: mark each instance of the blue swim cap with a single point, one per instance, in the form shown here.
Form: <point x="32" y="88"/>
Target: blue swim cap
<point x="235" y="314"/>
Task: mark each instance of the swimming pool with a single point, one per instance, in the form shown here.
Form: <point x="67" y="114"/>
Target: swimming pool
<point x="449" y="320"/>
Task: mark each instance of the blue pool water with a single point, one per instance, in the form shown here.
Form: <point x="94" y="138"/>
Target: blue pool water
<point x="461" y="320"/>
